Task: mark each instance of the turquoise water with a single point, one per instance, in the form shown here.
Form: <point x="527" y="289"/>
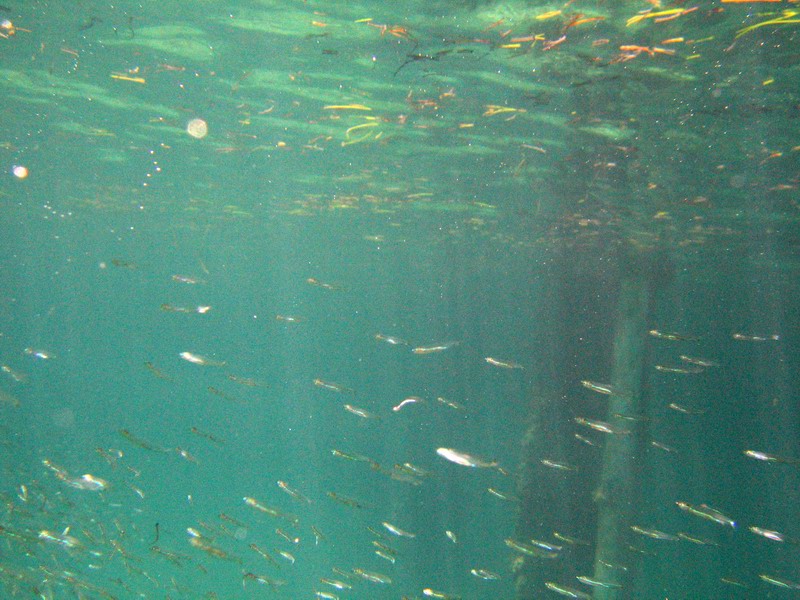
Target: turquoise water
<point x="409" y="228"/>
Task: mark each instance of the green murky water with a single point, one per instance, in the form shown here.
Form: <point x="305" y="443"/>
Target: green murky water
<point x="228" y="361"/>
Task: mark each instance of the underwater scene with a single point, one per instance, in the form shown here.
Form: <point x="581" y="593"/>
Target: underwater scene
<point x="453" y="299"/>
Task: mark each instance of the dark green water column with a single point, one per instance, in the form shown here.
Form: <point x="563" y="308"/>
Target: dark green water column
<point x="616" y="493"/>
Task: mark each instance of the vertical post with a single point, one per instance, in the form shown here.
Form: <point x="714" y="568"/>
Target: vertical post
<point x="616" y="493"/>
<point x="542" y="491"/>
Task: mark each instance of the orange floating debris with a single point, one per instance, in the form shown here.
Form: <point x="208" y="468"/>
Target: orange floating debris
<point x="346" y="107"/>
<point x="494" y="109"/>
<point x="495" y="24"/>
<point x="527" y="38"/>
<point x="128" y="78"/>
<point x="548" y="15"/>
